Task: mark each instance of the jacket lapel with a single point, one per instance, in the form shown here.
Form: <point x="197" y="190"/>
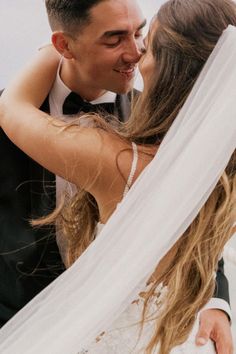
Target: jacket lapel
<point x="43" y="184"/>
<point x="123" y="105"/>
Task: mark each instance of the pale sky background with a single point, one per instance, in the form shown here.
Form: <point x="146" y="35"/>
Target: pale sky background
<point x="24" y="28"/>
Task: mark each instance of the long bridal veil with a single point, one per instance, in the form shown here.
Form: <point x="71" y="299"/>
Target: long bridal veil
<point x="90" y="295"/>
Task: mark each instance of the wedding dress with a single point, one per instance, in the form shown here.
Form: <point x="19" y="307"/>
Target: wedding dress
<point x="124" y="336"/>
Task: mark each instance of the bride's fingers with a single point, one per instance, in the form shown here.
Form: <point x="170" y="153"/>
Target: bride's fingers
<point x="215" y="325"/>
<point x="205" y="328"/>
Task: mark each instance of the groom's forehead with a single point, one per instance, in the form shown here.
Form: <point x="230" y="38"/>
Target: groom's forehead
<point x="115" y="16"/>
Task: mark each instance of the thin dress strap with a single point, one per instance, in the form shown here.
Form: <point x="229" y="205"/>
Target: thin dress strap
<point x="128" y="183"/>
<point x="133" y="169"/>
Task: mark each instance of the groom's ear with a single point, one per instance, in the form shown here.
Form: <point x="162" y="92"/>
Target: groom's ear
<point x="61" y="42"/>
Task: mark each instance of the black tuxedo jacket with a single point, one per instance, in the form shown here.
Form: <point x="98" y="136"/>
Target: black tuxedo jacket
<point x="29" y="258"/>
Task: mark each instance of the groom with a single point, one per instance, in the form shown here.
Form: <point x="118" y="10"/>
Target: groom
<point x="102" y="73"/>
<point x="98" y="64"/>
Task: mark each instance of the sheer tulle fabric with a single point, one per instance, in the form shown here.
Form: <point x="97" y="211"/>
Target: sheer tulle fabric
<point x="88" y="297"/>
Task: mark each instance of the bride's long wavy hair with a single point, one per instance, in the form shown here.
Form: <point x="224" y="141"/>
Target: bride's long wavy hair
<point x="186" y="34"/>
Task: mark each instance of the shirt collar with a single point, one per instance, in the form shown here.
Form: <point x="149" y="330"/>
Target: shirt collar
<point x="60" y="91"/>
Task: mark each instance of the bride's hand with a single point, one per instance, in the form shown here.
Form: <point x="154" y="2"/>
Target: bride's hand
<point x="215" y="325"/>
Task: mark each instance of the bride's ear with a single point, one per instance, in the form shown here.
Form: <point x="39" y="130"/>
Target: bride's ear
<point x="61" y="42"/>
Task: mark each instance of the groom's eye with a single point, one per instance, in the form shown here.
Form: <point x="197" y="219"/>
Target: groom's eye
<point x="113" y="42"/>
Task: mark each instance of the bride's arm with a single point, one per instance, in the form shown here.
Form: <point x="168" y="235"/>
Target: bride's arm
<point x="34" y="82"/>
<point x="73" y="153"/>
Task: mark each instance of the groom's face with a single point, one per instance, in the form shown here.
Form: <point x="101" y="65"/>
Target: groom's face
<point x="108" y="49"/>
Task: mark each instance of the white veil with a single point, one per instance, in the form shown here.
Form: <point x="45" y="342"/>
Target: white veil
<point x="89" y="296"/>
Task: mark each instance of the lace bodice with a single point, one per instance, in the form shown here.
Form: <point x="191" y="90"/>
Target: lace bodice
<point x="124" y="336"/>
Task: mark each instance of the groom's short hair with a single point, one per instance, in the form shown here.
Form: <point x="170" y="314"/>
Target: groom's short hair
<point x="69" y="15"/>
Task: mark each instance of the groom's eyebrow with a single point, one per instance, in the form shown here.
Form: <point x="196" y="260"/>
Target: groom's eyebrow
<point x="121" y="32"/>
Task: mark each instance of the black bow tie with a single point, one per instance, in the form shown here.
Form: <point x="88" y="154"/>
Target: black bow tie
<point x="74" y="104"/>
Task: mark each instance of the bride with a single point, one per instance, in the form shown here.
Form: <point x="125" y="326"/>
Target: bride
<point x="139" y="285"/>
